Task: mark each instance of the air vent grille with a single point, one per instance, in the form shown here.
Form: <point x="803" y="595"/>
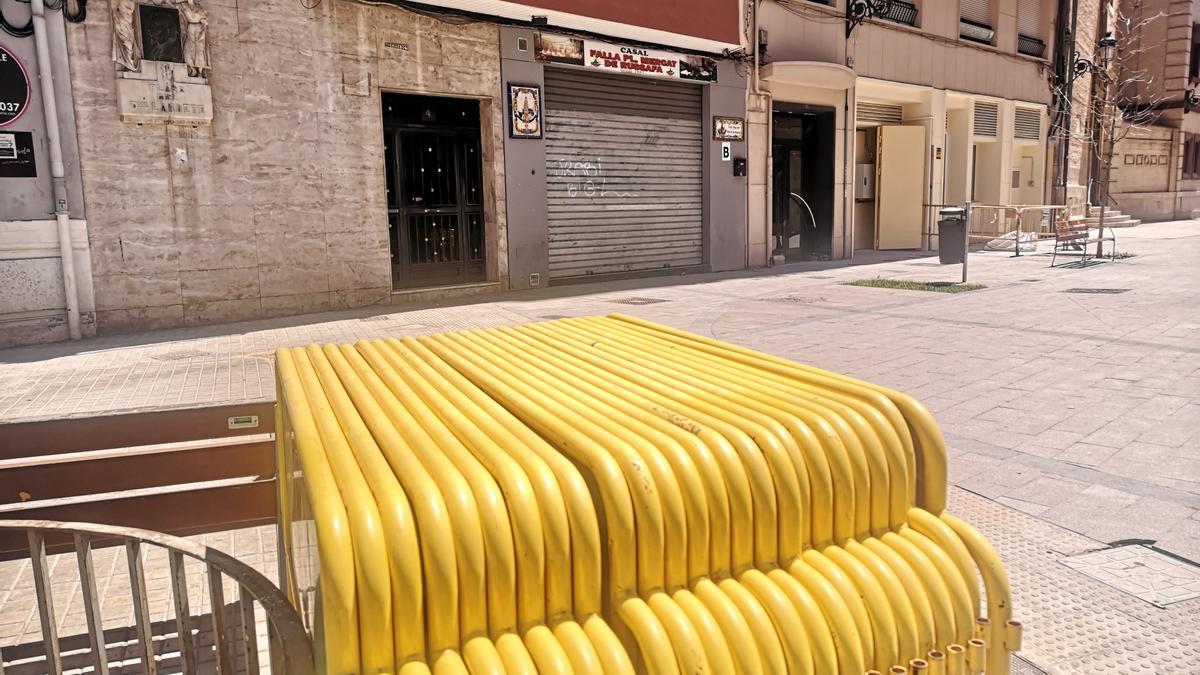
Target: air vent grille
<point x="879" y="113"/>
<point x="987" y="116"/>
<point x="1027" y="124"/>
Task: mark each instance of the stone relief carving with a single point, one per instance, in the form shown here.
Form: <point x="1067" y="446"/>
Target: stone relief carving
<point x="193" y="23"/>
<point x="126" y="48"/>
<point x="195" y="37"/>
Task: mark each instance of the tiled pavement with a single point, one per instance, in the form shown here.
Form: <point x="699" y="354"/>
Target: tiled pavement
<point x="1082" y="410"/>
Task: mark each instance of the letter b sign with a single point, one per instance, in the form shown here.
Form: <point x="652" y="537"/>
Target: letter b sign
<point x="725" y="152"/>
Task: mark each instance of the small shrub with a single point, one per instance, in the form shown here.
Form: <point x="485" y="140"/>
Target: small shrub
<point x="908" y="285"/>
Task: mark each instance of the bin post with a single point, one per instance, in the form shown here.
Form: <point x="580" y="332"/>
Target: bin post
<point x="966" y="223"/>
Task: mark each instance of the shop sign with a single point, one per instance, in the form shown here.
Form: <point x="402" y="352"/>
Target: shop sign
<point x="729" y="128"/>
<point x="16" y="155"/>
<point x="14" y="87"/>
<point x="623" y="59"/>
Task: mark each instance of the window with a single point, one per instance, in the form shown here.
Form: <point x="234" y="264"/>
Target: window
<point x="1191" y="156"/>
<point x="1194" y="64"/>
<point x="1029" y="28"/>
<point x="976" y="21"/>
<point x="162" y="38"/>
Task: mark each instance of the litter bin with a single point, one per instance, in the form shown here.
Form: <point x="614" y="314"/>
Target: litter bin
<point x="952" y="234"/>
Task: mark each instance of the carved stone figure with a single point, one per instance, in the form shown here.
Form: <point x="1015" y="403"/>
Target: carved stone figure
<point x="194" y="21"/>
<point x="126" y="49"/>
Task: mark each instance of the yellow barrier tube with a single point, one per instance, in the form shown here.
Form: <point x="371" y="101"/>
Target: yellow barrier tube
<point x="584" y="568"/>
<point x="784" y="472"/>
<point x="937" y="662"/>
<point x="493" y="511"/>
<point x="882" y="621"/>
<point x="734" y="549"/>
<point x="456" y="566"/>
<point x="372" y="570"/>
<point x="818" y="629"/>
<point x="685" y="508"/>
<point x="948" y="572"/>
<point x="995" y="584"/>
<point x="935" y="625"/>
<point x="863" y="391"/>
<point x="888" y="505"/>
<point x="914" y="628"/>
<point x="797" y="649"/>
<point x="793" y="431"/>
<point x="538" y="410"/>
<point x="761" y="475"/>
<point x="523" y="510"/>
<point x="332" y="523"/>
<point x="940" y="533"/>
<point x="580" y="512"/>
<point x="708" y="520"/>
<point x="766" y="639"/>
<point x="852" y="637"/>
<point x="770" y="436"/>
<point x="351" y="404"/>
<point x="956" y="659"/>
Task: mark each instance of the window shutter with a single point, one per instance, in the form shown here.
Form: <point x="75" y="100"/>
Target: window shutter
<point x="979" y="11"/>
<point x="1029" y="18"/>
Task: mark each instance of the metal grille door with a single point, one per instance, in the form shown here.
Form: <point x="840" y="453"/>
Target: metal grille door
<point x="623" y="173"/>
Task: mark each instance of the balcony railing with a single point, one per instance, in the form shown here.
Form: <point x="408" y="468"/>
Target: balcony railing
<point x="1030" y="46"/>
<point x="975" y="31"/>
<point x="900" y="11"/>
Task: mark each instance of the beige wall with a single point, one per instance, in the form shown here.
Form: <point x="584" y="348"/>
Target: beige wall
<point x="931" y="54"/>
<point x="278" y="207"/>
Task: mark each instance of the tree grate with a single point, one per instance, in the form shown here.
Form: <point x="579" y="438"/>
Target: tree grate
<point x="638" y="301"/>
<point x="1021" y="666"/>
<point x="1097" y="291"/>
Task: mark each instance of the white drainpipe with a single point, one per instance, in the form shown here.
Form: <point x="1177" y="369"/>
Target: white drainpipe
<point x="62" y="213"/>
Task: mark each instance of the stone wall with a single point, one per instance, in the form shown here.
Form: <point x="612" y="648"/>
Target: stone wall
<point x="279" y="206"/>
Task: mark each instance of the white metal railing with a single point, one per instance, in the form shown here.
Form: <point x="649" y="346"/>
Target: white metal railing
<point x="225" y="641"/>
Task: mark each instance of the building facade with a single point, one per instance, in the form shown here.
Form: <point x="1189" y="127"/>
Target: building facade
<point x="33" y="294"/>
<point x="1152" y="72"/>
<point x="247" y="162"/>
<point x="858" y="135"/>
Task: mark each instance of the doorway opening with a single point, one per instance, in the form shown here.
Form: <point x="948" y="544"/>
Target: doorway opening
<point x="434" y="169"/>
<point x="802" y="181"/>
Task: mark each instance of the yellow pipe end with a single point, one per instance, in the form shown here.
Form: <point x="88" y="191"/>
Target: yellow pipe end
<point x="982" y="624"/>
<point x="1012" y="636"/>
<point x="956" y="659"/>
<point x="976" y="656"/>
<point x="937" y="662"/>
<point x="918" y="667"/>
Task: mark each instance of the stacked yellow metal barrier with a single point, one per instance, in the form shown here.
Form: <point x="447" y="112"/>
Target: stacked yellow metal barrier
<point x="606" y="495"/>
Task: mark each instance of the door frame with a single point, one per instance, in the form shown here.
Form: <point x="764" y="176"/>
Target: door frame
<point x="474" y="271"/>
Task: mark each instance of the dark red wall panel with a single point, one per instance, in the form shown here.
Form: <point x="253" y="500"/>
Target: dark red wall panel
<point x="711" y="19"/>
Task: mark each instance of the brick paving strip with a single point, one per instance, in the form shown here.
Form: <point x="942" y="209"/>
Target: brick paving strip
<point x="1075" y="413"/>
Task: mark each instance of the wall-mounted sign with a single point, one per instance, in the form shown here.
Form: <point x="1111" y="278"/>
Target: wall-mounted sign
<point x="16" y="155"/>
<point x="626" y="59"/>
<point x="729" y="128"/>
<point x="524" y="110"/>
<point x="726" y="152"/>
<point x="14" y="87"/>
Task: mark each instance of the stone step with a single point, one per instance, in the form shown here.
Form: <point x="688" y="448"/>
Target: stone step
<point x="1113" y="221"/>
<point x="1095" y="211"/>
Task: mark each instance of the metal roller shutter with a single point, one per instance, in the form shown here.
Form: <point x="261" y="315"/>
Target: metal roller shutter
<point x="979" y="11"/>
<point x="623" y="174"/>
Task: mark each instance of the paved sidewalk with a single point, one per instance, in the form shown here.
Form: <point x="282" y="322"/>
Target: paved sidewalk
<point x="1072" y="410"/>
